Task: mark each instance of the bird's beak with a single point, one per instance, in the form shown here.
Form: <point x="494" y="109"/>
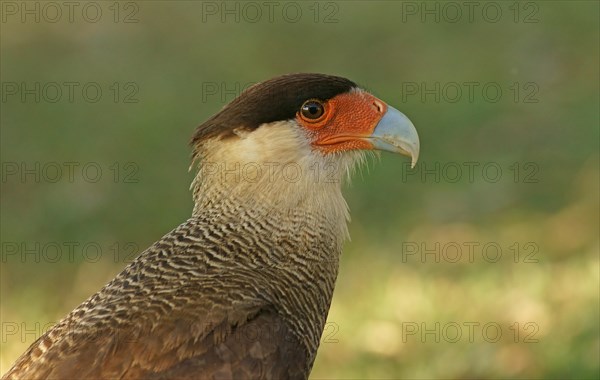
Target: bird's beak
<point x="396" y="133"/>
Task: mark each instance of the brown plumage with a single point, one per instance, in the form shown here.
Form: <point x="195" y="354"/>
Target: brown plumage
<point x="242" y="289"/>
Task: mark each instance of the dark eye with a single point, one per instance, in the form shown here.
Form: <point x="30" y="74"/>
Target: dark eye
<point x="312" y="109"/>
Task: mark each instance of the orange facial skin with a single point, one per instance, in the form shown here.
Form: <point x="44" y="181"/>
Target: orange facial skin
<point x="348" y="120"/>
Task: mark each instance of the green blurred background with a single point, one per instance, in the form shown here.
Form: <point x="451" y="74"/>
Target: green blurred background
<point x="164" y="67"/>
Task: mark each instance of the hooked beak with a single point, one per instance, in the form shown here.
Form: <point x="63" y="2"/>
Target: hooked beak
<point x="396" y="133"/>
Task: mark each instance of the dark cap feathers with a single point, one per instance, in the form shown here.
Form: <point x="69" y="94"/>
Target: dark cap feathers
<point x="273" y="100"/>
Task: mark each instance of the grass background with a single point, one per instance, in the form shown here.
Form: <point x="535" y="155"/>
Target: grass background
<point x="174" y="51"/>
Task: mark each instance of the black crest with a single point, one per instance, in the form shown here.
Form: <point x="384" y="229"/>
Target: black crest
<point x="276" y="99"/>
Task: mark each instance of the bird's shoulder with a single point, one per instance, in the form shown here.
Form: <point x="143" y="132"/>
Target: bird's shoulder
<point x="171" y="313"/>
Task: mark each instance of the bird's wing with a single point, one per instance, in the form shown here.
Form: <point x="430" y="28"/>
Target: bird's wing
<point x="261" y="347"/>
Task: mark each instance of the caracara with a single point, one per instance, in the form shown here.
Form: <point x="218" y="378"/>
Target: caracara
<point x="241" y="290"/>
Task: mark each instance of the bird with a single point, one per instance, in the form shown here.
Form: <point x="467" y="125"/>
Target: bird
<point x="242" y="289"/>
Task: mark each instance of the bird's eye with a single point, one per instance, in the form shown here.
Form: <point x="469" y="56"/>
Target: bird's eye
<point x="312" y="109"/>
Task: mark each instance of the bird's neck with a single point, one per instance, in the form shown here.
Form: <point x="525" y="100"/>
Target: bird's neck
<point x="285" y="200"/>
<point x="283" y="177"/>
<point x="298" y="213"/>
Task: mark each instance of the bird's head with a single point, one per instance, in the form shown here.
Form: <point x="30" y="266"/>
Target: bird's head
<point x="292" y="139"/>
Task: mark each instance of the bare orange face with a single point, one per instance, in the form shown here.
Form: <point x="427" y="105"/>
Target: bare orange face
<point x="344" y="122"/>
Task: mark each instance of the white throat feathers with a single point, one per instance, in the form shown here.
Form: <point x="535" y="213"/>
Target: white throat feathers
<point x="274" y="168"/>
